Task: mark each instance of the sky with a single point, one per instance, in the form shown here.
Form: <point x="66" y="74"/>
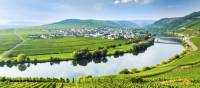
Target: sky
<point x="36" y="12"/>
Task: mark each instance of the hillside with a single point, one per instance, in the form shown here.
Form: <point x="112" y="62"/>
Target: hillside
<point x="176" y="24"/>
<point x="94" y="23"/>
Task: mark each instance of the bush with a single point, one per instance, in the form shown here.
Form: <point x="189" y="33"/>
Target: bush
<point x="21" y="58"/>
<point x="177" y="56"/>
<point x="97" y="54"/>
<point x="134" y="70"/>
<point x="145" y="68"/>
<point x="136" y="79"/>
<point x="10" y="55"/>
<point x="124" y="71"/>
<point x="117" y="52"/>
<point x="82" y="54"/>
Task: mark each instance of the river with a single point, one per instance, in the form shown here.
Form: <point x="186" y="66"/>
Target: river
<point x="106" y="66"/>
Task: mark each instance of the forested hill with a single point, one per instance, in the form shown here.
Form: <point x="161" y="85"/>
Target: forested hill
<point x="95" y="23"/>
<point x="176" y="24"/>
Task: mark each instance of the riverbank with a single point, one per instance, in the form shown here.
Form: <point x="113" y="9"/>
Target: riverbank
<point x="118" y="79"/>
<point x="114" y="50"/>
<point x="186" y="58"/>
<point x="110" y="65"/>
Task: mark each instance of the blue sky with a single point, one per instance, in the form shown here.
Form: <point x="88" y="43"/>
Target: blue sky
<point x="27" y="12"/>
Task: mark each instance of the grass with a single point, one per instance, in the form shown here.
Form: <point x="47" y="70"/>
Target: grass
<point x="180" y="73"/>
<point x="123" y="48"/>
<point x="43" y="49"/>
<point x="189" y="58"/>
<point x="62" y="45"/>
<point x="7" y="40"/>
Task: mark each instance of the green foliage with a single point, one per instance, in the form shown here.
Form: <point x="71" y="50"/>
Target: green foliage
<point x="124" y="71"/>
<point x="178" y="24"/>
<point x="94" y="24"/>
<point x="8" y="39"/>
<point x="136" y="79"/>
<point x="145" y="68"/>
<point x="99" y="53"/>
<point x="62" y="45"/>
<point x="21" y="58"/>
<point x="134" y="70"/>
<point x="82" y="54"/>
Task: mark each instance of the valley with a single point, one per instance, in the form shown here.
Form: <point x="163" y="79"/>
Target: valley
<point x="85" y="44"/>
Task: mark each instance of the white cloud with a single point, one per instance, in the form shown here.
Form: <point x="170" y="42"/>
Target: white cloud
<point x="132" y="1"/>
<point x="116" y="1"/>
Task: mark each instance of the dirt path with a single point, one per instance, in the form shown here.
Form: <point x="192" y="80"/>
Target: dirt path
<point x="193" y="47"/>
<point x="10" y="50"/>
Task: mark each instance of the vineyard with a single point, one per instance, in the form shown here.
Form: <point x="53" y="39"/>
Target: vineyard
<point x="106" y="83"/>
<point x="33" y="85"/>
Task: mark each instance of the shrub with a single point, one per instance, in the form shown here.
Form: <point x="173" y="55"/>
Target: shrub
<point x="10" y="55"/>
<point x="163" y="62"/>
<point x="124" y="71"/>
<point x="82" y="54"/>
<point x="136" y="79"/>
<point x="177" y="56"/>
<point x="117" y="52"/>
<point x="144" y="68"/>
<point x="134" y="70"/>
<point x="97" y="54"/>
<point x="21" y="58"/>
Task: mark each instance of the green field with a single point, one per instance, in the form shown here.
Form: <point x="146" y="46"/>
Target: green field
<point x="180" y="73"/>
<point x="62" y="45"/>
<point x="16" y="42"/>
<point x="7" y="40"/>
<point x="33" y="85"/>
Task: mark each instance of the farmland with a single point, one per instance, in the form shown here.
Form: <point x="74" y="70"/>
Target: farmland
<point x="63" y="45"/>
<point x="16" y="41"/>
<point x="8" y="39"/>
<point x="181" y="73"/>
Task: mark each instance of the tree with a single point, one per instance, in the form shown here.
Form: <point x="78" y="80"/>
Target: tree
<point x="97" y="54"/>
<point x="82" y="54"/>
<point x="134" y="70"/>
<point x="124" y="71"/>
<point x="144" y="68"/>
<point x="10" y="55"/>
<point x="117" y="52"/>
<point x="136" y="80"/>
<point x="21" y="58"/>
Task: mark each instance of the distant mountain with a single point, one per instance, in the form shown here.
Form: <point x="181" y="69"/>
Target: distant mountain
<point x="176" y="24"/>
<point x="94" y="23"/>
<point x="143" y="23"/>
<point x="127" y="24"/>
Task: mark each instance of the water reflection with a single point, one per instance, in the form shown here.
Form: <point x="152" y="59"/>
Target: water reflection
<point x="22" y="67"/>
<point x="95" y="66"/>
<point x="80" y="62"/>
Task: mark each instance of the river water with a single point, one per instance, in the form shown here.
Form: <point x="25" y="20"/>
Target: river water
<point x="105" y="66"/>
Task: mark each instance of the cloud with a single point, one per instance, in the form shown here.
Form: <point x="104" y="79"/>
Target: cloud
<point x="132" y="1"/>
<point x="117" y="2"/>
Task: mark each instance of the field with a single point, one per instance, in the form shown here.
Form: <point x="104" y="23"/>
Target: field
<point x="180" y="73"/>
<point x="7" y="40"/>
<point x="62" y="45"/>
<point x="16" y="42"/>
<point x="33" y="85"/>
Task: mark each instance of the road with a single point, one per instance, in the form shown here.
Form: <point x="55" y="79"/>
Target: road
<point x="193" y="47"/>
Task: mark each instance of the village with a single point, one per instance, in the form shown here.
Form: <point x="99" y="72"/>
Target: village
<point x="106" y="33"/>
